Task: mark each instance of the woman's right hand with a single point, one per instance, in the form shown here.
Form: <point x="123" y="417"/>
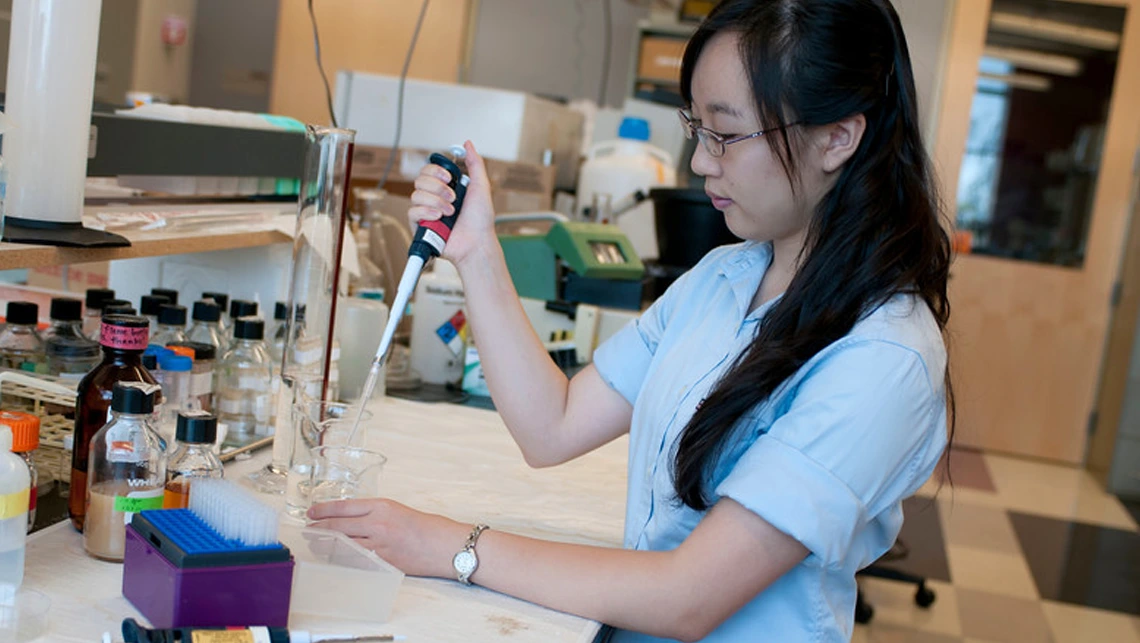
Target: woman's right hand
<point x="432" y="199"/>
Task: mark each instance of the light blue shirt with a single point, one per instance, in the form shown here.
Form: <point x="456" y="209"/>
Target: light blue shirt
<point x="827" y="459"/>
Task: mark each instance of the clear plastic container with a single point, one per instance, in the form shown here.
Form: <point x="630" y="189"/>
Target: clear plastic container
<point x="193" y="457"/>
<point x="171" y="327"/>
<point x="126" y="470"/>
<point x="203" y="380"/>
<point x="15" y="485"/>
<point x="245" y="384"/>
<point x="176" y="380"/>
<point x="366" y="585"/>
<point x="25" y="429"/>
<point x="21" y="347"/>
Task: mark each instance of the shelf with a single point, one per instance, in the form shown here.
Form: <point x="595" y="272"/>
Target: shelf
<point x="143" y="244"/>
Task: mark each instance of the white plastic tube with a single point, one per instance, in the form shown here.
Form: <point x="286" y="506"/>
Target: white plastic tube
<point x="51" y="82"/>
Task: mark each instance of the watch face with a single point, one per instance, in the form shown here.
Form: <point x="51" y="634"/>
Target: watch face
<point x="465" y="562"/>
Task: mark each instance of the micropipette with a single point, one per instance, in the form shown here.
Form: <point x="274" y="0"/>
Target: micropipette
<point x="431" y="237"/>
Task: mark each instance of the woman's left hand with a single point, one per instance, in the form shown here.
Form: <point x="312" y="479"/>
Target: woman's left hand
<point x="419" y="544"/>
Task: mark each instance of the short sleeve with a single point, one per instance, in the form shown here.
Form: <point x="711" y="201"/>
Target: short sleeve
<point x="623" y="359"/>
<point x="863" y="431"/>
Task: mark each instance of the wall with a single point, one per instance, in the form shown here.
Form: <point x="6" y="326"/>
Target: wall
<point x="365" y="35"/>
<point x="160" y="68"/>
<point x="561" y="42"/>
<point x="233" y="54"/>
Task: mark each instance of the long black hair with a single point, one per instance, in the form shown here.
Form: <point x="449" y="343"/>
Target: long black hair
<point x="878" y="232"/>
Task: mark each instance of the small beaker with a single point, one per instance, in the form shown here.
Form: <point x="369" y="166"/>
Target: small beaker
<point x="343" y="473"/>
<point x="316" y="424"/>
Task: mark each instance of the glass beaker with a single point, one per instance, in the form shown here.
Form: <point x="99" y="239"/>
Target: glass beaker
<point x="316" y="424"/>
<point x="315" y="283"/>
<point x="343" y="473"/>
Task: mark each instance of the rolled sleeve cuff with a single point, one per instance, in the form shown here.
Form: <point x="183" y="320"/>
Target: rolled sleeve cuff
<point x="797" y="496"/>
<point x="623" y="361"/>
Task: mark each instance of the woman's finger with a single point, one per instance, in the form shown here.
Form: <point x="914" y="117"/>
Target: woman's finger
<point x="341" y="509"/>
<point x="357" y="527"/>
<point x="434" y="186"/>
<point x="430" y="200"/>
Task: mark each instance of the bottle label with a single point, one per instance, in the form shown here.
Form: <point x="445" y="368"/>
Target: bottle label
<point x="225" y="636"/>
<point x="123" y="338"/>
<point x="137" y="501"/>
<point x="252" y="383"/>
<point x="14" y="504"/>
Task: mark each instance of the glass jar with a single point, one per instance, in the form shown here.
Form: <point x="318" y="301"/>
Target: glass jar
<point x="245" y="384"/>
<point x="72" y="358"/>
<point x="193" y="457"/>
<point x="20" y="345"/>
<point x="171" y="325"/>
<point x="126" y="470"/>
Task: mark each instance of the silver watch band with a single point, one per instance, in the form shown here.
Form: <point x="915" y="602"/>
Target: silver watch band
<point x="465" y="573"/>
<point x="473" y="537"/>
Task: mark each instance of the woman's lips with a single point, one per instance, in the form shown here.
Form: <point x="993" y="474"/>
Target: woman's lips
<point x="719" y="202"/>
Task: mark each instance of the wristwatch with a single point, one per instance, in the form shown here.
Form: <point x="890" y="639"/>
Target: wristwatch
<point x="466" y="562"/>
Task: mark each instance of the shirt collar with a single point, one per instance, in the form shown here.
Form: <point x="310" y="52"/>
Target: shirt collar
<point x="744" y="268"/>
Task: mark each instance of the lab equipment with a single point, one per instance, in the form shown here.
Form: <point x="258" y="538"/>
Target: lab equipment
<point x="316" y="424"/>
<point x="126" y="470"/>
<point x="357" y="331"/>
<point x="15" y="482"/>
<point x="205" y="358"/>
<point x="439" y="327"/>
<point x="123" y="339"/>
<point x="193" y="457"/>
<point x="245" y="382"/>
<point x="25" y="429"/>
<point x="315" y="282"/>
<point x="20" y="345"/>
<point x="429" y="241"/>
<point x="135" y="633"/>
<point x="345" y="472"/>
<point x="176" y="377"/>
<point x="217" y="564"/>
<point x="66" y="318"/>
<point x="169" y="293"/>
<point x="223" y="301"/>
<point x="551" y="259"/>
<point x="72" y="358"/>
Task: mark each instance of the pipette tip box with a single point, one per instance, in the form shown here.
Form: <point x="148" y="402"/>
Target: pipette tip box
<point x="180" y="573"/>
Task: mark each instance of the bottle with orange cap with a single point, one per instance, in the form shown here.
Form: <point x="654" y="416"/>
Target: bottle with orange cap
<point x="25" y="440"/>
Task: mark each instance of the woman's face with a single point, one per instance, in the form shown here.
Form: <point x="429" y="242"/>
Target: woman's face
<point x="748" y="184"/>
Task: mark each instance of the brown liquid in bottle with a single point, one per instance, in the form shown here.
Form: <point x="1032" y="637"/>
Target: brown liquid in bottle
<point x="176" y="495"/>
<point x="122" y="362"/>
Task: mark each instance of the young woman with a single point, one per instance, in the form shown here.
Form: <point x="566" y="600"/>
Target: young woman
<point x="782" y="398"/>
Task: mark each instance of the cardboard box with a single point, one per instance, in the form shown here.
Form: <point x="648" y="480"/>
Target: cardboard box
<point x="515" y="187"/>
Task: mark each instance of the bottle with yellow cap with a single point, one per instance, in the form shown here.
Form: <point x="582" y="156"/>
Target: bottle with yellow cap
<point x="25" y="439"/>
<point x="14" y="485"/>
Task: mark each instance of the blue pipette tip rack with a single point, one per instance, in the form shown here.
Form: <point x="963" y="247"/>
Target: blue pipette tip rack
<point x="188" y="542"/>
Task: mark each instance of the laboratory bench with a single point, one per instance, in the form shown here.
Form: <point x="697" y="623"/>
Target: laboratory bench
<point x="450" y="459"/>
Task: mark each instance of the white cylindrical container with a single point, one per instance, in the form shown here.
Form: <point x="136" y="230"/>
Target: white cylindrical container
<point x="15" y="486"/>
<point x="359" y="326"/>
<point x="51" y="79"/>
<point x="439" y="325"/>
<point x="613" y="172"/>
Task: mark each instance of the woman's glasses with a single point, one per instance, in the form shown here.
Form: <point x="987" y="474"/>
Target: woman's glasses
<point x="715" y="142"/>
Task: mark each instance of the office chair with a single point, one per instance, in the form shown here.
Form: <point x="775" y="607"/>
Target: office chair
<point x="923" y="595"/>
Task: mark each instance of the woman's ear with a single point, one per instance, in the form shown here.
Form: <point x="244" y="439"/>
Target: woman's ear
<point x="840" y="140"/>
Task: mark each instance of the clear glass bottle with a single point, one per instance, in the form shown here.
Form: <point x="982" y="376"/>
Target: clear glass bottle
<point x="123" y="339"/>
<point x="204" y="379"/>
<point x="171" y="325"/>
<point x="193" y="457"/>
<point x="276" y="334"/>
<point x="21" y="347"/>
<point x="25" y="429"/>
<point x="71" y="354"/>
<point x="223" y="301"/>
<point x="120" y="307"/>
<point x="205" y="329"/>
<point x="96" y="297"/>
<point x="149" y="306"/>
<point x="66" y="319"/>
<point x="169" y="293"/>
<point x="240" y="308"/>
<point x="126" y="470"/>
<point x="244" y="383"/>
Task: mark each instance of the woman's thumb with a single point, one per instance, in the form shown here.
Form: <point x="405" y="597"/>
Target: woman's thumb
<point x="476" y="169"/>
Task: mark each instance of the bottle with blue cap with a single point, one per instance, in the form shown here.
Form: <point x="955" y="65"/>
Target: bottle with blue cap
<point x="616" y="177"/>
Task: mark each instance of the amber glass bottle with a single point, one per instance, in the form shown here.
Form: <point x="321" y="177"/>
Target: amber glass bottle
<point x="124" y="338"/>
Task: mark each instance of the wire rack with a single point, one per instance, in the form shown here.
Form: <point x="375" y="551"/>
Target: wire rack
<point x="57" y="419"/>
